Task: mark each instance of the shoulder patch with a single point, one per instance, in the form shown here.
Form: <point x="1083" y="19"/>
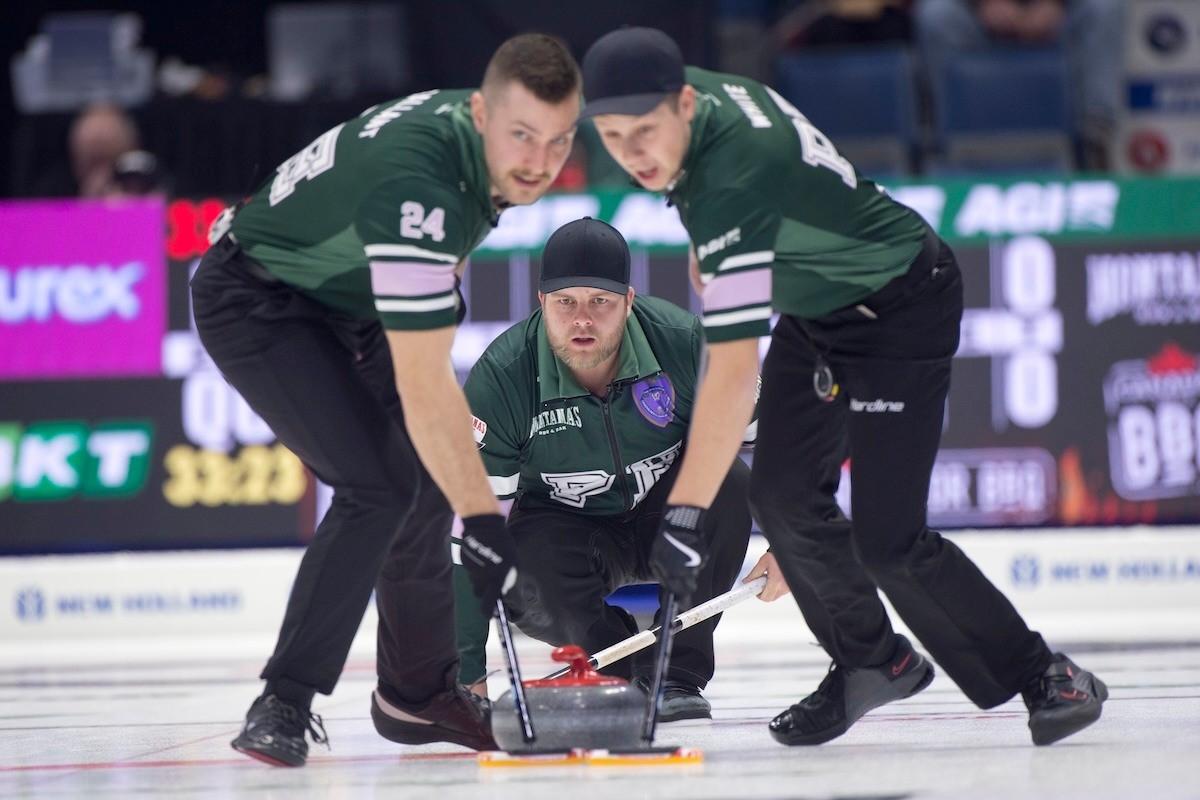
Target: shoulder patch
<point x="479" y="429"/>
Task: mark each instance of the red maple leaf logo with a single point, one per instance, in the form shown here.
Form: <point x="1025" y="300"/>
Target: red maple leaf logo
<point x="1172" y="358"/>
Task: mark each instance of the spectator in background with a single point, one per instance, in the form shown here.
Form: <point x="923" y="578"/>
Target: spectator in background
<point x="1090" y="30"/>
<point x="814" y="23"/>
<point x="99" y="136"/>
<point x="749" y="34"/>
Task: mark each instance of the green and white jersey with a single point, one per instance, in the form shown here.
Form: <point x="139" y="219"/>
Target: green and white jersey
<point x="372" y="218"/>
<point x="778" y="218"/>
<point x="550" y="443"/>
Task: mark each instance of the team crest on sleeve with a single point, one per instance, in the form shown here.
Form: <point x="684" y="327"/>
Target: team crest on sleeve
<point x="479" y="428"/>
<point x="655" y="399"/>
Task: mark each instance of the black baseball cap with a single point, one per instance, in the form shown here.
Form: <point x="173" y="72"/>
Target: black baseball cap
<point x="630" y="71"/>
<point x="586" y="252"/>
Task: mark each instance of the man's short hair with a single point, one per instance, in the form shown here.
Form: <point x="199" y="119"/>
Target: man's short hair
<point x="540" y="63"/>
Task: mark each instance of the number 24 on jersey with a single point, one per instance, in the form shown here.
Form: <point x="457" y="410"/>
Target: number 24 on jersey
<point x="416" y="224"/>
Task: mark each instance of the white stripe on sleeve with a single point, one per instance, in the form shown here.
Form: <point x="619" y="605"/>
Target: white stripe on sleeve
<point x="502" y="485"/>
<point x="407" y="251"/>
<point x="416" y="306"/>
<point x="746" y="259"/>
<point x="721" y="319"/>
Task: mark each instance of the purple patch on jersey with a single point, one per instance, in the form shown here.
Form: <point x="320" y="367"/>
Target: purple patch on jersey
<point x="655" y="398"/>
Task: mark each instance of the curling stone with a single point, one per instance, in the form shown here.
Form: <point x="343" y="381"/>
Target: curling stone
<point x="582" y="709"/>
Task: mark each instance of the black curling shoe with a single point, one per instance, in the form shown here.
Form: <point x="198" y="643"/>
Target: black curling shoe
<point x="1063" y="700"/>
<point x="274" y="732"/>
<point x="847" y="694"/>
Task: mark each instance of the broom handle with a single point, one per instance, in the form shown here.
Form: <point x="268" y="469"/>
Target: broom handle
<point x="514" y="674"/>
<point x="687" y="619"/>
<point x="658" y="683"/>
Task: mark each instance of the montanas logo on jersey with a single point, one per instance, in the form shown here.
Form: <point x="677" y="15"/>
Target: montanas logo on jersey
<point x="554" y="420"/>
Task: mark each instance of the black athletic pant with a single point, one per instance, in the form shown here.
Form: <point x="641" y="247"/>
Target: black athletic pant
<point x="325" y="385"/>
<point x="892" y="364"/>
<point x="570" y="562"/>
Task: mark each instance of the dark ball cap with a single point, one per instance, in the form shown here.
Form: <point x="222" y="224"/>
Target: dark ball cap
<point x="586" y="252"/>
<point x="630" y="71"/>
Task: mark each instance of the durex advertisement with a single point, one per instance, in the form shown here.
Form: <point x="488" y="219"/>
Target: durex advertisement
<point x="83" y="289"/>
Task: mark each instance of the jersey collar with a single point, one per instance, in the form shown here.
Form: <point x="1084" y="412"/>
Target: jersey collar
<point x="699" y="129"/>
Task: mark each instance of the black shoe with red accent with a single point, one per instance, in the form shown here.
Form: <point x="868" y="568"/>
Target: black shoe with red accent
<point x="846" y="694"/>
<point x="275" y="730"/>
<point x="1063" y="700"/>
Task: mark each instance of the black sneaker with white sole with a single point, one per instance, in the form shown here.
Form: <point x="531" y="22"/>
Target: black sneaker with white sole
<point x="275" y="732"/>
<point x="846" y="694"/>
<point x="1063" y="700"/>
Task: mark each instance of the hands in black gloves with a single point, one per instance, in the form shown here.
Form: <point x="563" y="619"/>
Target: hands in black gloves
<point x="490" y="558"/>
<point x="679" y="551"/>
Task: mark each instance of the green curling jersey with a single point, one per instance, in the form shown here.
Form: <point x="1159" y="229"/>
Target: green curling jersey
<point x="372" y="218"/>
<point x="550" y="443"/>
<point x="778" y="218"/>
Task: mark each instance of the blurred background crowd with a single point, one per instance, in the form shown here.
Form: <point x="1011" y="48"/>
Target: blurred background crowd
<point x="200" y="99"/>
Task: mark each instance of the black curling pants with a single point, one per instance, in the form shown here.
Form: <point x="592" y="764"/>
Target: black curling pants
<point x="893" y="371"/>
<point x="570" y="562"/>
<point x="325" y="385"/>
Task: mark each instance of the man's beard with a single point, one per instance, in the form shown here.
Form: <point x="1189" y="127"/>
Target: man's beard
<point x="604" y="350"/>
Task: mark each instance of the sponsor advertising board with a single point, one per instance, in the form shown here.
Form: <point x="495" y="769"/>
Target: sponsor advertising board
<point x="110" y="437"/>
<point x="82" y="289"/>
<point x="1079" y="584"/>
<point x="1075" y="400"/>
<point x="146" y="464"/>
<point x="1159" y="126"/>
<point x="100" y="595"/>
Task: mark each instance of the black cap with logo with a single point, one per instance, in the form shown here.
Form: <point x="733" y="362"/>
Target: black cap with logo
<point x="630" y="71"/>
<point x="586" y="252"/>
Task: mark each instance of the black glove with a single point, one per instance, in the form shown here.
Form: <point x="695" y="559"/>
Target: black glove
<point x="679" y="551"/>
<point x="490" y="559"/>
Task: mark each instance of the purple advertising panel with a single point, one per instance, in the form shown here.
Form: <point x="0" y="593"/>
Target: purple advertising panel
<point x="82" y="288"/>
